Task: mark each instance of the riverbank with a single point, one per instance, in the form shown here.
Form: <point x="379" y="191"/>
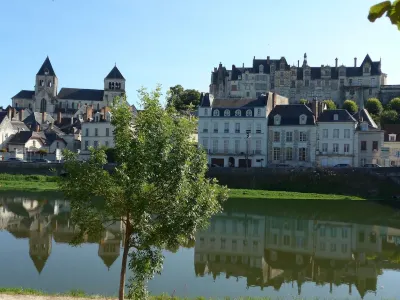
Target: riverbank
<point x="28" y="183"/>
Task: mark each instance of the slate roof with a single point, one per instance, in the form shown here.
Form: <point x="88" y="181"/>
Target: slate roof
<point x="36" y="118"/>
<point x="46" y="66"/>
<point x="343" y="116"/>
<point x="366" y="117"/>
<point x="391" y="129"/>
<point x="205" y="100"/>
<point x="115" y="74"/>
<point x="240" y="102"/>
<point x="22" y="137"/>
<point x="3" y="114"/>
<point x="290" y="114"/>
<point x="24" y="94"/>
<point x="81" y="94"/>
<point x="19" y="126"/>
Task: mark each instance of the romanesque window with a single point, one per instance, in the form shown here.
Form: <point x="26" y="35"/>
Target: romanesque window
<point x="49" y="83"/>
<point x="249" y="113"/>
<point x="227" y="113"/>
<point x="216" y="113"/>
<point x="277" y="120"/>
<point x="41" y="82"/>
<point x="238" y="113"/>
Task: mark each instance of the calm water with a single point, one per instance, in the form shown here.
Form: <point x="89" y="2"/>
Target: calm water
<point x="285" y="248"/>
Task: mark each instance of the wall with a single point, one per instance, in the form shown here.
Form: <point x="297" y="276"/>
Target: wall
<point x="6" y="132"/>
<point x="368" y="156"/>
<point x="101" y="138"/>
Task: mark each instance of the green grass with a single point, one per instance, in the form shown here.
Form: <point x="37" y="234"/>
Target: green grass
<point x="277" y="195"/>
<point x="37" y="183"/>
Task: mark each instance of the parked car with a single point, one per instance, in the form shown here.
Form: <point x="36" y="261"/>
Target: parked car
<point x="41" y="160"/>
<point x="372" y="166"/>
<point x="16" y="159"/>
<point x="342" y="166"/>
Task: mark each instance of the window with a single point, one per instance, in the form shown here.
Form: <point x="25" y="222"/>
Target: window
<point x="335" y="133"/>
<point x="289" y="153"/>
<point x="261" y="68"/>
<point x="303" y="119"/>
<point x="289" y="136"/>
<point x="303" y="136"/>
<point x="344" y="248"/>
<point x="237" y="127"/>
<point x="361" y="237"/>
<point x="322" y="246"/>
<point x="344" y="233"/>
<point x="205" y="143"/>
<point x="205" y="127"/>
<point x="215" y="127"/>
<point x="350" y="81"/>
<point x="373" y="82"/>
<point x="206" y="112"/>
<point x="325" y="133"/>
<point x="258" y="112"/>
<point x="249" y="113"/>
<point x="226" y="127"/>
<point x="277" y="136"/>
<point x="341" y="81"/>
<point x="238" y="113"/>
<point x="360" y="81"/>
<point x="258" y="146"/>
<point x="277" y="153"/>
<point x="335" y="148"/>
<point x="96" y="132"/>
<point x="363" y="161"/>
<point x="325" y="147"/>
<point x="347" y="133"/>
<point x="392" y="137"/>
<point x="215" y="146"/>
<point x="335" y="117"/>
<point x="95" y="144"/>
<point x="234" y="245"/>
<point x="277" y="120"/>
<point x="227" y="113"/>
<point x="333" y="232"/>
<point x="247" y="94"/>
<point x="363" y="145"/>
<point x="333" y="247"/>
<point x="293" y="84"/>
<point x="223" y="244"/>
<point x="86" y="145"/>
<point x="302" y="154"/>
<point x="216" y="113"/>
<point x="248" y="129"/>
<point x="107" y="143"/>
<point x="281" y="82"/>
<point x="49" y="83"/>
<point x="375" y="146"/>
<point x="322" y="232"/>
<point x="346" y="148"/>
<point x="226" y="146"/>
<point x="366" y="68"/>
<point x="237" y="146"/>
<point x="258" y="128"/>
<point x="286" y="240"/>
<point x="87" y="132"/>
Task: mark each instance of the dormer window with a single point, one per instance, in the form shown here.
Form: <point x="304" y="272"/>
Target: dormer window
<point x="277" y="120"/>
<point x="335" y="117"/>
<point x="216" y="113"/>
<point x="238" y="113"/>
<point x="258" y="112"/>
<point x="227" y="113"/>
<point x="367" y="68"/>
<point x="282" y="65"/>
<point x="303" y="120"/>
<point x="392" y="137"/>
<point x="261" y="69"/>
<point x="206" y="112"/>
<point x="249" y="113"/>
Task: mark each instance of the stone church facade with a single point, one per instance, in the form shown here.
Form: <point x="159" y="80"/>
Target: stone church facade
<point x="46" y="97"/>
<point x="338" y="83"/>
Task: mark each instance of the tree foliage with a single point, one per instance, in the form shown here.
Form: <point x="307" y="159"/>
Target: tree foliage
<point x="158" y="189"/>
<point x="374" y="106"/>
<point x="330" y="104"/>
<point x="389" y="117"/>
<point x="394" y="104"/>
<point x="182" y="99"/>
<point x="303" y="101"/>
<point x="392" y="11"/>
<point x="350" y="106"/>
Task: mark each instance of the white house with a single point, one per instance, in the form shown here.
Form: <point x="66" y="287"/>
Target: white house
<point x="292" y="135"/>
<point x="335" y="138"/>
<point x="234" y="131"/>
<point x="391" y="145"/>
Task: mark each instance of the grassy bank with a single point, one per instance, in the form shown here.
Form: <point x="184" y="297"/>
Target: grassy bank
<point x="28" y="183"/>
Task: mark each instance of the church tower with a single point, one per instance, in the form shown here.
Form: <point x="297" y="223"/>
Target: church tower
<point x="46" y="85"/>
<point x="114" y="85"/>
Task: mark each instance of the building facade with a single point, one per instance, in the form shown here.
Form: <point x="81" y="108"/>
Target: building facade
<point x="234" y="131"/>
<point x="299" y="82"/>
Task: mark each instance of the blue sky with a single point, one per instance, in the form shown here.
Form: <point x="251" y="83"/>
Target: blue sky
<point x="179" y="42"/>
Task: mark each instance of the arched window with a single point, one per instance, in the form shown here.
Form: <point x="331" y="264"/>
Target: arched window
<point x="216" y="113"/>
<point x="249" y="113"/>
<point x="303" y="119"/>
<point x="261" y="69"/>
<point x="227" y="113"/>
<point x="49" y="83"/>
<point x="238" y="113"/>
<point x="43" y="105"/>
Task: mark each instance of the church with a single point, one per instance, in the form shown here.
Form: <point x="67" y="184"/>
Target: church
<point x="46" y="97"/>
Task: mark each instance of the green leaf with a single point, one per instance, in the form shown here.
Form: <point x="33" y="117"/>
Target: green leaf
<point x="394" y="14"/>
<point x="378" y="10"/>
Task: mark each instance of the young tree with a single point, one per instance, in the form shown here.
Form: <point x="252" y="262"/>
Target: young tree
<point x="392" y="11"/>
<point x="330" y="104"/>
<point x="394" y="104"/>
<point x="158" y="189"/>
<point x="389" y="117"/>
<point x="303" y="101"/>
<point x="350" y="106"/>
<point x="374" y="106"/>
<point x="182" y="99"/>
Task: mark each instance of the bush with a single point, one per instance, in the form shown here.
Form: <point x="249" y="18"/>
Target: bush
<point x="330" y="104"/>
<point x="394" y="104"/>
<point x="303" y="101"/>
<point x="389" y="117"/>
<point x="374" y="106"/>
<point x="350" y="106"/>
<point x="111" y="156"/>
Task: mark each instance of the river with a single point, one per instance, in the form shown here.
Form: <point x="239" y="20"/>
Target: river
<point x="272" y="248"/>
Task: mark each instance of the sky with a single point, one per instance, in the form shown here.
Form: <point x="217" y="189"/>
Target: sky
<point x="180" y="42"/>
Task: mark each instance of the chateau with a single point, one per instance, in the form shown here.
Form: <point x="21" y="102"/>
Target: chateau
<point x="46" y="98"/>
<point x="338" y="83"/>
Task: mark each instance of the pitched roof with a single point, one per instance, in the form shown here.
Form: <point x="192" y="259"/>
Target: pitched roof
<point x="363" y="113"/>
<point x="115" y="74"/>
<point x="24" y="94"/>
<point x="343" y="116"/>
<point x="36" y="118"/>
<point x="240" y="102"/>
<point x="81" y="94"/>
<point x="46" y="67"/>
<point x="391" y="129"/>
<point x="205" y="100"/>
<point x="3" y="114"/>
<point x="290" y="114"/>
<point x="21" y="138"/>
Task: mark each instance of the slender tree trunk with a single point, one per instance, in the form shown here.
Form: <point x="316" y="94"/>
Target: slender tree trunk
<point x="124" y="259"/>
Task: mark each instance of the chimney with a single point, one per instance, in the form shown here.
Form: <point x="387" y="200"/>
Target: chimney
<point x="89" y="112"/>
<point x="267" y="60"/>
<point x="243" y="65"/>
<point x="43" y="117"/>
<point x="59" y="117"/>
<point x="298" y="63"/>
<point x="355" y="61"/>
<point x="9" y="113"/>
<point x="21" y="115"/>
<point x="103" y="113"/>
<point x="14" y="112"/>
<point x="37" y="128"/>
<point x="215" y="69"/>
<point x="315" y="108"/>
<point x="336" y="60"/>
<point x="254" y="57"/>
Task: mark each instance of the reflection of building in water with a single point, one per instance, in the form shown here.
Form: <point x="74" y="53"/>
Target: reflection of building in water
<point x="297" y="250"/>
<point x="110" y="244"/>
<point x="233" y="245"/>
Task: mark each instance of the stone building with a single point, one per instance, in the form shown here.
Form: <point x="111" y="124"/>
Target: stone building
<point x="47" y="98"/>
<point x="299" y="82"/>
